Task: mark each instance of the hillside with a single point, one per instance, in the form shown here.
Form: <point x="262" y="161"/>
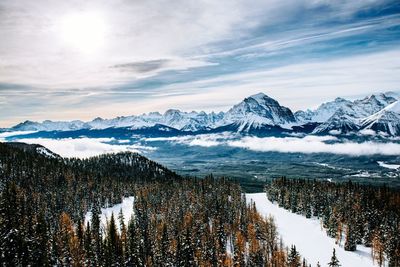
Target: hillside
<point x="177" y="221"/>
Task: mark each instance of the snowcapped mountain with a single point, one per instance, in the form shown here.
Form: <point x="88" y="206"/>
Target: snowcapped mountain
<point x="356" y="109"/>
<point x="48" y="125"/>
<point x="258" y="113"/>
<point x="254" y="111"/>
<point x="343" y="116"/>
<point x="339" y="122"/>
<point x="323" y="112"/>
<point x="387" y="120"/>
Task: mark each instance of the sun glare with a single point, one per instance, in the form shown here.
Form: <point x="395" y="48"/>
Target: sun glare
<point x="84" y="31"/>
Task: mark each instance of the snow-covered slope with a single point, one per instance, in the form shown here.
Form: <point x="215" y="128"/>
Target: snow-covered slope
<point x="311" y="241"/>
<point x="339" y="122"/>
<point x="387" y="120"/>
<point x="323" y="112"/>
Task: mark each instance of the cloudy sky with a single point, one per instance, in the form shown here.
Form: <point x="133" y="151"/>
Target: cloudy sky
<point x="74" y="59"/>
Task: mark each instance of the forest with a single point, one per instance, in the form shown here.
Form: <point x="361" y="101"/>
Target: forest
<point x="177" y="221"/>
<point x="351" y="213"/>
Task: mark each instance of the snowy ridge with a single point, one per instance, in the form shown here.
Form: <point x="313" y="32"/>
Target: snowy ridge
<point x="387" y="120"/>
<point x="259" y="112"/>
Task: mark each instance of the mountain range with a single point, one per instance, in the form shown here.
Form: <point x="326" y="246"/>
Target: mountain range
<point x="256" y="114"/>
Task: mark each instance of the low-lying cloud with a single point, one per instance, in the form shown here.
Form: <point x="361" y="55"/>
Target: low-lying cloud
<point x="87" y="147"/>
<point x="314" y="144"/>
<point x="204" y="140"/>
<point x="83" y="147"/>
<point x="307" y="144"/>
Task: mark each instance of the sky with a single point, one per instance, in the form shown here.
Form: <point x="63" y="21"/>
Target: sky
<point x="70" y="59"/>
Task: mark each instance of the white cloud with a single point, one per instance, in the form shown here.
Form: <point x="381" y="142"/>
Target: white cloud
<point x="315" y="144"/>
<point x="204" y="140"/>
<point x="87" y="147"/>
<point x="297" y="85"/>
<point x="35" y="52"/>
<point x="82" y="147"/>
<point x="307" y="144"/>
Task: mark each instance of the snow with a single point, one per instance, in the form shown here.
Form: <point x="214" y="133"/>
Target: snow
<point x="308" y="236"/>
<point x="127" y="211"/>
<point x="388" y="166"/>
<point x="44" y="151"/>
<point x="394" y="107"/>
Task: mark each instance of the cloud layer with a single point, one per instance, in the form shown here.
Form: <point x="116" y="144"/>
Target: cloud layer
<point x="316" y="145"/>
<point x="83" y="147"/>
<point x="308" y="144"/>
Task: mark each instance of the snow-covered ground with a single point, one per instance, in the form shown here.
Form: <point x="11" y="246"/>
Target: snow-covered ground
<point x="388" y="166"/>
<point x="308" y="236"/>
<point x="127" y="211"/>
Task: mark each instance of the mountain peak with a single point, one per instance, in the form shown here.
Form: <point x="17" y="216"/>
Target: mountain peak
<point x="259" y="95"/>
<point x="262" y="98"/>
<point x="257" y="110"/>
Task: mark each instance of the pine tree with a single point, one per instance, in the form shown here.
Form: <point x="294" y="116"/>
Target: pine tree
<point x="123" y="237"/>
<point x="89" y="255"/>
<point x="41" y="248"/>
<point x="334" y="260"/>
<point x="134" y="258"/>
<point x="11" y="239"/>
<point x="113" y="250"/>
<point x="378" y="249"/>
<point x="350" y="243"/>
<point x="96" y="236"/>
<point x="293" y="257"/>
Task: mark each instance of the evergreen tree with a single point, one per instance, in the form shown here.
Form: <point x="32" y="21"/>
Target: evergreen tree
<point x="334" y="260"/>
<point x="350" y="243"/>
<point x="293" y="257"/>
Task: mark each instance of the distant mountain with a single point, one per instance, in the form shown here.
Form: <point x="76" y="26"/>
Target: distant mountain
<point x="343" y="116"/>
<point x="256" y="114"/>
<point x="253" y="112"/>
<point x="339" y="122"/>
<point x="357" y="109"/>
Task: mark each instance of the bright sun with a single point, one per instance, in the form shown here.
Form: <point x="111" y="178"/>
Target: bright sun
<point x="84" y="31"/>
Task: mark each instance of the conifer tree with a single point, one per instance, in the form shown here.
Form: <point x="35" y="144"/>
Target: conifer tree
<point x="293" y="257"/>
<point x="350" y="243"/>
<point x="334" y="260"/>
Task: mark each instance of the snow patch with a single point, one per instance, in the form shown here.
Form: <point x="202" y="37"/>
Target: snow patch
<point x="127" y="211"/>
<point x="310" y="239"/>
<point x="388" y="166"/>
